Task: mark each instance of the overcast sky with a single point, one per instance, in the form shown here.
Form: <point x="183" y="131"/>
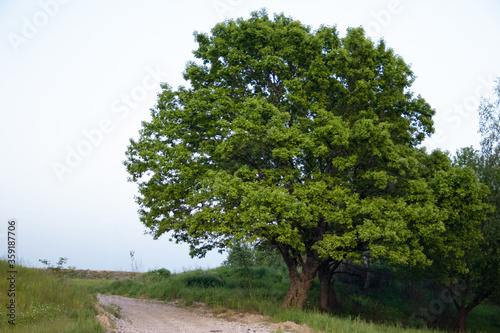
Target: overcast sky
<point x="78" y="77"/>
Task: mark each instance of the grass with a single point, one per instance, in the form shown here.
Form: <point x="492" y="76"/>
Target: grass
<point x="227" y="288"/>
<point x="63" y="302"/>
<point x="46" y="303"/>
<point x="485" y="316"/>
<point x="114" y="309"/>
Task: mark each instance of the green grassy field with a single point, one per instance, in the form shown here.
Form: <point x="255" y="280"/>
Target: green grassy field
<point x="46" y="303"/>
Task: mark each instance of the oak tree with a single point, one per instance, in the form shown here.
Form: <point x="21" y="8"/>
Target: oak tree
<point x="302" y="138"/>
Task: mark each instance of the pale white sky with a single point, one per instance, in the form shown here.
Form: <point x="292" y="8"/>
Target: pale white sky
<point x="77" y="78"/>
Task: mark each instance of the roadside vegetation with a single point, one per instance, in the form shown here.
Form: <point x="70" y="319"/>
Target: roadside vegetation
<point x="391" y="304"/>
<point x="251" y="280"/>
<point x="46" y="302"/>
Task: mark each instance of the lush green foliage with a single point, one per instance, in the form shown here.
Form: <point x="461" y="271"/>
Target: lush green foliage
<point x="462" y="200"/>
<point x="304" y="140"/>
<point x="284" y="134"/>
<point x="47" y="303"/>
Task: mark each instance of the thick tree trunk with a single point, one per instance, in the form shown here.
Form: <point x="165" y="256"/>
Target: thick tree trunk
<point x="462" y="318"/>
<point x="300" y="284"/>
<point x="328" y="296"/>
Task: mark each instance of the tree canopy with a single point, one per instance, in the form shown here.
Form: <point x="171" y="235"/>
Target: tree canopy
<point x="301" y="138"/>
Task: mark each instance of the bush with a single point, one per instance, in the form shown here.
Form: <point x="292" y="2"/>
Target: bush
<point x="157" y="275"/>
<point x="203" y="281"/>
<point x="125" y="287"/>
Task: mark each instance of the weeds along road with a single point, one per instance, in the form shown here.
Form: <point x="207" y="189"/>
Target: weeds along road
<point x="149" y="316"/>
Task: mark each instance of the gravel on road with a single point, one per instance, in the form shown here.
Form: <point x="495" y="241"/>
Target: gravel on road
<point x="151" y="316"/>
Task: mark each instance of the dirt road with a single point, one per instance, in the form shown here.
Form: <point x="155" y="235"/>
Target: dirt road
<point x="148" y="316"/>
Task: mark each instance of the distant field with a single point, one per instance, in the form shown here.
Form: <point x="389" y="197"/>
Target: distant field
<point x="88" y="274"/>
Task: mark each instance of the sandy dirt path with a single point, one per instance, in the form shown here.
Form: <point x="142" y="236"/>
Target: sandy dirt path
<point x="149" y="316"/>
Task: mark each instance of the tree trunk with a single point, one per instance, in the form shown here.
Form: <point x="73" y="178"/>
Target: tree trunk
<point x="299" y="289"/>
<point x="328" y="296"/>
<point x="463" y="310"/>
<point x="462" y="318"/>
<point x="300" y="284"/>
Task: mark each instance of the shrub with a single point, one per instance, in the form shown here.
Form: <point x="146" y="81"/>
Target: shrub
<point x="204" y="281"/>
<point x="157" y="275"/>
<point x="125" y="287"/>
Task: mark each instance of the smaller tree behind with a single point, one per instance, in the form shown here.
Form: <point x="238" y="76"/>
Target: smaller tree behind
<point x="240" y="255"/>
<point x="467" y="257"/>
<point x="247" y="255"/>
<point x="478" y="278"/>
<point x="267" y="256"/>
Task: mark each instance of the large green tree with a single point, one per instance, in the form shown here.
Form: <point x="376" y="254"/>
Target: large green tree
<point x="301" y="138"/>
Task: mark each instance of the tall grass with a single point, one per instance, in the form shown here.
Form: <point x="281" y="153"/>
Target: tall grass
<point x="46" y="303"/>
<point x="227" y="288"/>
